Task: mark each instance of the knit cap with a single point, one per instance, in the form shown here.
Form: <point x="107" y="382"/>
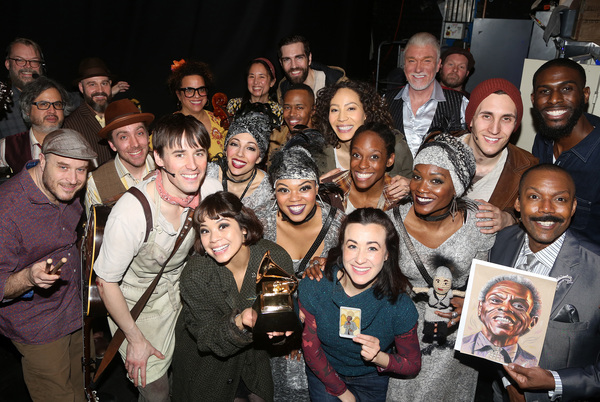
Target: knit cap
<point x="488" y="87"/>
<point x="452" y="154"/>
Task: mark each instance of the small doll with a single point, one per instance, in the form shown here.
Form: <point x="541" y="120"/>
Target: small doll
<point x="435" y="327"/>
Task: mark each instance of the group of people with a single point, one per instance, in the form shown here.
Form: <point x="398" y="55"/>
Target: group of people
<point x="362" y="196"/>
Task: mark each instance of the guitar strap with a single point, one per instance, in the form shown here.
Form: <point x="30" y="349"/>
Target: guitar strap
<point x="119" y="336"/>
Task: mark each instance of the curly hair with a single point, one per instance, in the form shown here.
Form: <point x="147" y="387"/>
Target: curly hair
<point x="372" y="103"/>
<point x="189" y="68"/>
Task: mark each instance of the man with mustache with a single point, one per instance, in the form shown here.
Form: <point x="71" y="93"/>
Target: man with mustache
<point x="24" y="62"/>
<point x="544" y="244"/>
<point x="126" y="131"/>
<point x="296" y="60"/>
<point x="508" y="308"/>
<point x="42" y="104"/>
<point x="423" y="105"/>
<point x="568" y="137"/>
<point x="40" y="310"/>
<point x="94" y="83"/>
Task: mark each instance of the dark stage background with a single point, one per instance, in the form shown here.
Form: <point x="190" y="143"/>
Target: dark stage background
<point x="140" y="39"/>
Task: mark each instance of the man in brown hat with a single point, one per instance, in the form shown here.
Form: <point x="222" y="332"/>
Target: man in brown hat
<point x="40" y="310"/>
<point x="94" y="83"/>
<point x="127" y="134"/>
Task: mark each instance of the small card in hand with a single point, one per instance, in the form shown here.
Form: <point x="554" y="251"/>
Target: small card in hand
<point x="349" y="322"/>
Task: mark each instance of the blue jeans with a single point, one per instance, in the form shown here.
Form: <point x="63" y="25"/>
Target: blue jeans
<point x="370" y="387"/>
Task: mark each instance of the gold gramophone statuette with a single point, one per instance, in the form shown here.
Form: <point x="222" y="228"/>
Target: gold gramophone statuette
<point x="274" y="304"/>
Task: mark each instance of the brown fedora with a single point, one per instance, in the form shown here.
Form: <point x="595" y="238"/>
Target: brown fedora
<point x="92" y="67"/>
<point x="122" y="113"/>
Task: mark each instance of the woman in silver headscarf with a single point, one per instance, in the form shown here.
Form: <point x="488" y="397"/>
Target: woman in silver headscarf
<point x="306" y="228"/>
<point x="439" y="228"/>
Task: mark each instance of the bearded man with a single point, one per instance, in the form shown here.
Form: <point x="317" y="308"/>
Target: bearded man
<point x="568" y="137"/>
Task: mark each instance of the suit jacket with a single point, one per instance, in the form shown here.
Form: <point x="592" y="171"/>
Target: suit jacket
<point x="83" y="120"/>
<point x="570" y="348"/>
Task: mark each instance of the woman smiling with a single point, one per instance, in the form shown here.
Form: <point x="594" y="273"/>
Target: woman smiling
<point x="260" y="79"/>
<point x="366" y="183"/>
<point x="189" y="82"/>
<point x="216" y="358"/>
<point x="246" y="145"/>
<point x="363" y="276"/>
<point x="439" y="228"/>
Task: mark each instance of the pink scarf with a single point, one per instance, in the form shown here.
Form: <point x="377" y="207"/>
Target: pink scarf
<point x="191" y="201"/>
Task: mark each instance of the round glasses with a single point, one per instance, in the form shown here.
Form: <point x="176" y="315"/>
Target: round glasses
<point x="23" y="62"/>
<point x="189" y="92"/>
<point x="45" y="105"/>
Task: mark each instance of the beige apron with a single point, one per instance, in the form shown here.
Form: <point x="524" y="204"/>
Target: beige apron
<point x="157" y="319"/>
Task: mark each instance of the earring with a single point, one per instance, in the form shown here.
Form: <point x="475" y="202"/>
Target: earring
<point x="453" y="208"/>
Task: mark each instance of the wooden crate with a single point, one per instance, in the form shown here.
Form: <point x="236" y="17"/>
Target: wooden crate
<point x="587" y="28"/>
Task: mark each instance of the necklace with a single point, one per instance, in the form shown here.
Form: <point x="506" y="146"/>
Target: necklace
<point x="433" y="218"/>
<point x="286" y="218"/>
<point x="226" y="178"/>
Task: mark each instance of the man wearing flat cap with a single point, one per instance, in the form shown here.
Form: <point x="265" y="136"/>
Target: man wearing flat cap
<point x="126" y="131"/>
<point x="40" y="311"/>
<point x="457" y="64"/>
<point x="494" y="113"/>
<point x="94" y="83"/>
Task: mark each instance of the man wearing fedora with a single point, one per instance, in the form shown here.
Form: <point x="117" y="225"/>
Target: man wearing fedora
<point x="94" y="83"/>
<point x="40" y="310"/>
<point x="126" y="131"/>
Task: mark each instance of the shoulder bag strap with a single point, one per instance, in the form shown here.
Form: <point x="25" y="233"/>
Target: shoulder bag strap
<point x="119" y="336"/>
<point x="317" y="242"/>
<point x="411" y="248"/>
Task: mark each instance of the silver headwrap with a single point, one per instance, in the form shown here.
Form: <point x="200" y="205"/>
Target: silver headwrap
<point x="293" y="163"/>
<point x="254" y="123"/>
<point x="443" y="272"/>
<point x="452" y="154"/>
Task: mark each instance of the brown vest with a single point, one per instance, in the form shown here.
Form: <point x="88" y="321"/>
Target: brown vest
<point x="108" y="182"/>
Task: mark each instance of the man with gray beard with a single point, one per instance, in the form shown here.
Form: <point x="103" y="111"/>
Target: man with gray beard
<point x="423" y="105"/>
<point x="94" y="83"/>
<point x="42" y="104"/>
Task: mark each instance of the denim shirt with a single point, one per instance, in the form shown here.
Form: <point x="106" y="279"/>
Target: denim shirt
<point x="583" y="163"/>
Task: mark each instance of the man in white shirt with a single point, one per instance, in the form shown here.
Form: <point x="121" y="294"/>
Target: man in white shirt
<point x="130" y="256"/>
<point x="423" y="105"/>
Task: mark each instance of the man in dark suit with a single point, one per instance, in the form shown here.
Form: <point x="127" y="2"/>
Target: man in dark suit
<point x="543" y="244"/>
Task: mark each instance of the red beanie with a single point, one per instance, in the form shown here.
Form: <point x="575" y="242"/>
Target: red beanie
<point x="488" y="87"/>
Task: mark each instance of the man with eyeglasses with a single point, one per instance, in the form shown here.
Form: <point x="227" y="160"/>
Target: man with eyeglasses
<point x="42" y="105"/>
<point x="296" y="60"/>
<point x="94" y="81"/>
<point x="24" y="62"/>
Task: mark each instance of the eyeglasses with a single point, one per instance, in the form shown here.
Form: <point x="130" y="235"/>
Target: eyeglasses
<point x="23" y="62"/>
<point x="189" y="92"/>
<point x="45" y="105"/>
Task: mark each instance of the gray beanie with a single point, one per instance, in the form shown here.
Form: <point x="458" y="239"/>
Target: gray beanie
<point x="452" y="154"/>
<point x="443" y="272"/>
<point x="254" y="123"/>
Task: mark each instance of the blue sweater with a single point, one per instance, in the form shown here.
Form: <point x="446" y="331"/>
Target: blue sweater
<point x="380" y="319"/>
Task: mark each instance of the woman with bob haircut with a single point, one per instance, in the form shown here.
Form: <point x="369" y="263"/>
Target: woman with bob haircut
<point x="215" y="356"/>
<point x="362" y="274"/>
<point x="190" y="82"/>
